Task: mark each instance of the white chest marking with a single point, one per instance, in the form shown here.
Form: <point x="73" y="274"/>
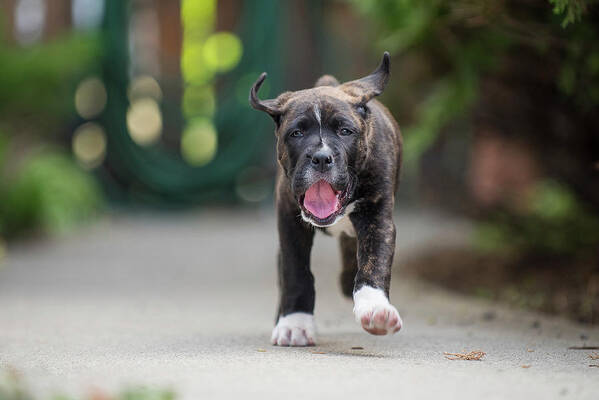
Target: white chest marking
<point x="343" y="224"/>
<point x="318" y="117"/>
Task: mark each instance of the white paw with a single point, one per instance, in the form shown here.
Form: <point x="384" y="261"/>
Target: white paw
<point x="373" y="310"/>
<point x="296" y="329"/>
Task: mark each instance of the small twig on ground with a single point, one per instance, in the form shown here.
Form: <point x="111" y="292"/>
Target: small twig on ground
<point x="473" y="355"/>
<point x="583" y="348"/>
<point x="594" y="365"/>
<point x="594" y="356"/>
<point x="526" y="366"/>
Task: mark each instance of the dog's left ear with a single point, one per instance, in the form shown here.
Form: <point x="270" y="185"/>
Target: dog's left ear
<point x="370" y="86"/>
<point x="271" y="107"/>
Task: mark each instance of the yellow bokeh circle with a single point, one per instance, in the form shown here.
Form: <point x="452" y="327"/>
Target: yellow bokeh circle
<point x="90" y="97"/>
<point x="89" y="145"/>
<point x="199" y="142"/>
<point x="222" y="51"/>
<point x="144" y="121"/>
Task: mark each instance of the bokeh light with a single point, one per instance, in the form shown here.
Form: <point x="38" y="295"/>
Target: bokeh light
<point x="144" y="121"/>
<point x="144" y="86"/>
<point x="90" y="97"/>
<point x="198" y="16"/>
<point x="198" y="101"/>
<point x="193" y="67"/>
<point x="222" y="51"/>
<point x="87" y="14"/>
<point x="30" y="16"/>
<point x="199" y="142"/>
<point x="89" y="145"/>
<point x="253" y="184"/>
<point x="203" y="55"/>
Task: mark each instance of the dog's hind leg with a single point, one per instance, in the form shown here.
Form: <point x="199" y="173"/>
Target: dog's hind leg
<point x="349" y="259"/>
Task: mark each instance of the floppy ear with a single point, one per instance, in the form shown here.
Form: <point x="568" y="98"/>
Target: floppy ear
<point x="270" y="107"/>
<point x="370" y="86"/>
<point x="326" y="80"/>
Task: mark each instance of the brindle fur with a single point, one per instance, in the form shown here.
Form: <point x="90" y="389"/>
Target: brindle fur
<point x="348" y="246"/>
<point x="370" y="166"/>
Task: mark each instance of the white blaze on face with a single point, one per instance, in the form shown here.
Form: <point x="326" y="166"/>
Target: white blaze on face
<point x="317" y="114"/>
<point x="318" y="117"/>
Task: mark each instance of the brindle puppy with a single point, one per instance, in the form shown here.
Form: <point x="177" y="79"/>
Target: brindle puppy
<point x="339" y="156"/>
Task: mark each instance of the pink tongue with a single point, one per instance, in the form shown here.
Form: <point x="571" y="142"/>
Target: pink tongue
<point x="321" y="200"/>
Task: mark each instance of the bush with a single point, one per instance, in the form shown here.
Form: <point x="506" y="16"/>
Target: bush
<point x="50" y="193"/>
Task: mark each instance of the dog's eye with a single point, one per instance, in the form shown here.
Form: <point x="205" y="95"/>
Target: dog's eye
<point x="345" y="132"/>
<point x="296" y="133"/>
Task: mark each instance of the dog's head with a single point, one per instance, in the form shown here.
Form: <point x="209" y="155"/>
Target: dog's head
<point x="321" y="139"/>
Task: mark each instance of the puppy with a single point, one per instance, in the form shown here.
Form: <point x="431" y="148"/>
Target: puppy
<point x="339" y="158"/>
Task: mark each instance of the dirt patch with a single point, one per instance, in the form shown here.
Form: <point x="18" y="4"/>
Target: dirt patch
<point x="552" y="285"/>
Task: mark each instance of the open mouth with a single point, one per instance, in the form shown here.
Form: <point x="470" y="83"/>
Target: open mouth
<point x="322" y="203"/>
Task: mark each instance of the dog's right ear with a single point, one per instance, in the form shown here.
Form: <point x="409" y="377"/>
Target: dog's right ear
<point x="271" y="107"/>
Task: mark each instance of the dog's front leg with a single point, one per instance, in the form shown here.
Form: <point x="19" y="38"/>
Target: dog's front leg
<point x="375" y="231"/>
<point x="295" y="321"/>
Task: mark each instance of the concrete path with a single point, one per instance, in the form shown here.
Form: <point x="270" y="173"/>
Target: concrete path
<point x="187" y="302"/>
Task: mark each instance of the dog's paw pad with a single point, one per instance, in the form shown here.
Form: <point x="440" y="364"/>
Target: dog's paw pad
<point x="380" y="320"/>
<point x="296" y="329"/>
<point x="374" y="312"/>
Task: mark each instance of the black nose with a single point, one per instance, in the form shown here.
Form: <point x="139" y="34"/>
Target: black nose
<point x="322" y="159"/>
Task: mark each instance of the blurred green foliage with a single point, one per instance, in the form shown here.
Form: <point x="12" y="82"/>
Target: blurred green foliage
<point x="571" y="10"/>
<point x="554" y="223"/>
<point x="454" y="45"/>
<point x="49" y="192"/>
<point x="12" y="387"/>
<point x="464" y="39"/>
<point x="39" y="81"/>
<point x="438" y="34"/>
<point x="3" y="148"/>
<point x="128" y="394"/>
<point x="42" y="188"/>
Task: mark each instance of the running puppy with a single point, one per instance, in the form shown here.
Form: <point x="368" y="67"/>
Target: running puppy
<point x="339" y="156"/>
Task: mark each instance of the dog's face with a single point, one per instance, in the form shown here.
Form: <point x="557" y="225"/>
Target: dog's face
<point x="321" y="140"/>
<point x="319" y="137"/>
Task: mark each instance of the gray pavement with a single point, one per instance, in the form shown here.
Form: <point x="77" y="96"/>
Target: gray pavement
<point x="187" y="302"/>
